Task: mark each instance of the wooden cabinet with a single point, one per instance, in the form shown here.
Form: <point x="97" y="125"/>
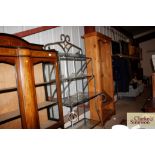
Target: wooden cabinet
<point x="134" y="51"/>
<point x="24" y="98"/>
<point x="98" y="47"/>
<point x="149" y="105"/>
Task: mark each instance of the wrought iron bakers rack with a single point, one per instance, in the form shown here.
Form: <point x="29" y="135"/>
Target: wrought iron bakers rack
<point x="74" y="82"/>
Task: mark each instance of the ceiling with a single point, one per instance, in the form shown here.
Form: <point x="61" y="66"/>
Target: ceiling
<point x="137" y="33"/>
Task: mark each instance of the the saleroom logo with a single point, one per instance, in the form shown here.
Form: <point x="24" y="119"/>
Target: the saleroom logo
<point x="141" y="120"/>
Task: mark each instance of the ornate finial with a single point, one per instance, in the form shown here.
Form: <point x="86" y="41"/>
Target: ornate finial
<point x="65" y="45"/>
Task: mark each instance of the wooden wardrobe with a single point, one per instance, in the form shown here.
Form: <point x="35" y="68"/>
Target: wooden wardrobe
<point x="98" y="47"/>
<point x="24" y="98"/>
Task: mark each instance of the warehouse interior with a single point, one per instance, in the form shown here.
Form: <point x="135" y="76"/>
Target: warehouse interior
<point x="75" y="77"/>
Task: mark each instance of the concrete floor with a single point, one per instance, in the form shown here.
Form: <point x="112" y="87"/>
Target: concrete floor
<point x="125" y="105"/>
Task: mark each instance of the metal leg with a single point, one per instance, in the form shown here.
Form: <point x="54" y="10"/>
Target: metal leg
<point x="76" y="86"/>
<point x="71" y="121"/>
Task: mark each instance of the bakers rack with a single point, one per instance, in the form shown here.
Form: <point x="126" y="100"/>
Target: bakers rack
<point x="74" y="83"/>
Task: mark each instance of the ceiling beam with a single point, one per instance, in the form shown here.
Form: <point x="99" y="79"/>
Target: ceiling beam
<point x="143" y="33"/>
<point x="145" y="37"/>
<point x="34" y="31"/>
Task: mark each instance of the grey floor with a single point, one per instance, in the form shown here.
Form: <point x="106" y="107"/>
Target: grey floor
<point x="125" y="105"/>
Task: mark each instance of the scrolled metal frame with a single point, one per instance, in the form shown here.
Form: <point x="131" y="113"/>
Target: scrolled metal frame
<point x="64" y="44"/>
<point x="66" y="47"/>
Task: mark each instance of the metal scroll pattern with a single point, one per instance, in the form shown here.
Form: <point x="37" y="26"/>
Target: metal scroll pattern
<point x="65" y="45"/>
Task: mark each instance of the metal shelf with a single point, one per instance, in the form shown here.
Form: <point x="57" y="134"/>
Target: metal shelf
<point x="84" y="124"/>
<point x="72" y="57"/>
<point x="76" y="78"/>
<point x="78" y="99"/>
<point x="78" y="72"/>
<point x="125" y="56"/>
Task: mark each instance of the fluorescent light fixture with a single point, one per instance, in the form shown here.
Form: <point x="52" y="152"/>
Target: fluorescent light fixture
<point x="153" y="61"/>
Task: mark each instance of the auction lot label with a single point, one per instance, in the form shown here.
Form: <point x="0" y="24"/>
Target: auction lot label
<point x="141" y="120"/>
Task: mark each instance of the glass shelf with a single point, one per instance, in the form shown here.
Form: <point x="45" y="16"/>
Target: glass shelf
<point x="78" y="99"/>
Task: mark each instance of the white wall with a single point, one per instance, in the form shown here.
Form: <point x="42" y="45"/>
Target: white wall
<point x="14" y="29"/>
<point x="112" y="33"/>
<point x="148" y="49"/>
<point x="48" y="36"/>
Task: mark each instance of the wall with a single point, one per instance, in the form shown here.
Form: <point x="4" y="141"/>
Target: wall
<point x="148" y="49"/>
<point x="14" y="29"/>
<point x="48" y="36"/>
<point x="112" y="33"/>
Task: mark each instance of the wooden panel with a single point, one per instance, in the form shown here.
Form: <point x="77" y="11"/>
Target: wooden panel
<point x="59" y="97"/>
<point x="107" y="77"/>
<point x="44" y="121"/>
<point x="98" y="47"/>
<point x="14" y="41"/>
<point x="7" y="76"/>
<point x="7" y="52"/>
<point x="43" y="116"/>
<point x="8" y="101"/>
<point x="92" y="48"/>
<point x="27" y="95"/>
<point x="15" y="124"/>
<point x="153" y="84"/>
<point x="106" y="67"/>
<point x="132" y="50"/>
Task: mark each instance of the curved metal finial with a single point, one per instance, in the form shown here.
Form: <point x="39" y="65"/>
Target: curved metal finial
<point x="65" y="38"/>
<point x="64" y="44"/>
